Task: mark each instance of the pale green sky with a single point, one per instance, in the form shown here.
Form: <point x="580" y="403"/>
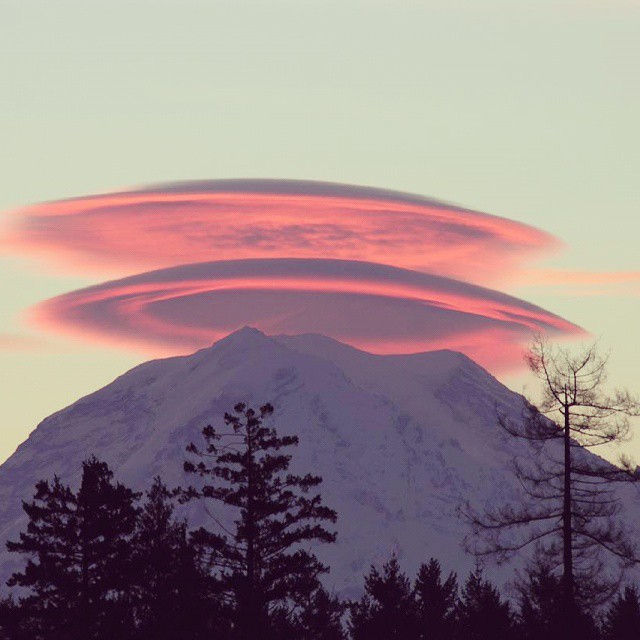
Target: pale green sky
<point x="527" y="110"/>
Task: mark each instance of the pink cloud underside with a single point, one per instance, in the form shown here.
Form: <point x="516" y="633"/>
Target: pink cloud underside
<point x="225" y="220"/>
<point x="375" y="307"/>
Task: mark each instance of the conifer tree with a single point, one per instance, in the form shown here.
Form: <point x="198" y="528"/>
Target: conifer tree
<point x="388" y="607"/>
<point x="539" y="595"/>
<point x="78" y="572"/>
<point x="436" y="602"/>
<point x="622" y="621"/>
<point x="170" y="591"/>
<point x="541" y="606"/>
<point x="259" y="563"/>
<point x="321" y="617"/>
<point x="16" y="622"/>
<point x="481" y="613"/>
<point x="53" y="590"/>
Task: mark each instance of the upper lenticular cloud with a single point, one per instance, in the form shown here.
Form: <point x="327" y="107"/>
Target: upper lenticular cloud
<point x="376" y="307"/>
<point x="228" y="219"/>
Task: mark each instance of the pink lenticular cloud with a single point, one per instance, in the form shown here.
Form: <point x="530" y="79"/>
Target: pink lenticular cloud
<point x="375" y="307"/>
<point x="287" y="257"/>
<point x="230" y="219"/>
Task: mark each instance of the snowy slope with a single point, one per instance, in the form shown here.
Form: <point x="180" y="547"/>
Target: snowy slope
<point x="400" y="441"/>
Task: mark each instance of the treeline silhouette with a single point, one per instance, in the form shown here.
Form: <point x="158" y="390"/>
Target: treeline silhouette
<point x="104" y="562"/>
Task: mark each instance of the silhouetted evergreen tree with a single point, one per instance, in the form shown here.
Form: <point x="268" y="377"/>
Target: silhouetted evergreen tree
<point x="78" y="573"/>
<point x="258" y="562"/>
<point x="319" y="619"/>
<point x="541" y="612"/>
<point x="170" y="592"/>
<point x="388" y="607"/>
<point x="622" y="621"/>
<point x="436" y="602"/>
<point x="16" y="622"/>
<point x="539" y="595"/>
<point x="53" y="590"/>
<point x="481" y="613"/>
<point x="541" y="606"/>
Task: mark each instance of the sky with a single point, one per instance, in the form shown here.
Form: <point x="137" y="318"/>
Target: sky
<point x="516" y="122"/>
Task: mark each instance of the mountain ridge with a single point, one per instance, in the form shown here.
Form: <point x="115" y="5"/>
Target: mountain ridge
<point x="401" y="441"/>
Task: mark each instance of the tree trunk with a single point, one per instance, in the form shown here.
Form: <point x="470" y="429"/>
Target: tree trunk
<point x="567" y="525"/>
<point x="250" y="612"/>
<point x="82" y="625"/>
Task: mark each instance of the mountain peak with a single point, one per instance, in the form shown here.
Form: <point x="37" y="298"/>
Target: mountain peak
<point x="241" y="338"/>
<point x="328" y="348"/>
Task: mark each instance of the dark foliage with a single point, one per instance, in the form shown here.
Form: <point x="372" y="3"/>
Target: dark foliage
<point x="262" y="569"/>
<point x="435" y="602"/>
<point x="388" y="607"/>
<point x="319" y="619"/>
<point x="541" y="605"/>
<point x="171" y="595"/>
<point x="17" y="622"/>
<point x="481" y="612"/>
<point x="78" y="575"/>
<point x="622" y="621"/>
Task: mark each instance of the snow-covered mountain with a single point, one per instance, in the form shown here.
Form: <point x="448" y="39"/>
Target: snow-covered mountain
<point x="400" y="441"/>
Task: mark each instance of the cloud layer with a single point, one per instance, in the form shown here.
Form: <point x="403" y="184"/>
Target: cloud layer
<point x="229" y="219"/>
<point x="384" y="271"/>
<point x="375" y="307"/>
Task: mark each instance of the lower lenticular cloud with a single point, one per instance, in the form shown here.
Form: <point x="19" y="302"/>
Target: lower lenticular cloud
<point x="375" y="307"/>
<point x="229" y="219"/>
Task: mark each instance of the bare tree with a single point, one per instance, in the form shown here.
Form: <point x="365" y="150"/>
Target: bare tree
<point x="570" y="510"/>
